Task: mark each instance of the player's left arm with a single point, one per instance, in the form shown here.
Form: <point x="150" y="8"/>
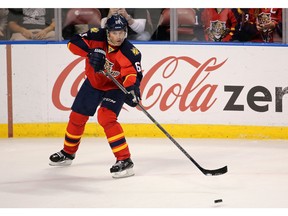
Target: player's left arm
<point x="131" y="72"/>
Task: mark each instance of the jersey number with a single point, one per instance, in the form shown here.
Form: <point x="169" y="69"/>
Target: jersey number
<point x="138" y="67"/>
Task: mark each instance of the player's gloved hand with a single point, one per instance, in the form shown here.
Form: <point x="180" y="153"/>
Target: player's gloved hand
<point x="133" y="97"/>
<point x="97" y="59"/>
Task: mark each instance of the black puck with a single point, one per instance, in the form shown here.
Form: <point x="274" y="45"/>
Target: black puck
<point x="218" y="200"/>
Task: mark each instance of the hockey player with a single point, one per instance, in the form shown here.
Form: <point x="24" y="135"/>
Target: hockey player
<point x="106" y="50"/>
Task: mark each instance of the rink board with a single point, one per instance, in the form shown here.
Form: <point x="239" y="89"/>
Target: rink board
<point x="193" y="90"/>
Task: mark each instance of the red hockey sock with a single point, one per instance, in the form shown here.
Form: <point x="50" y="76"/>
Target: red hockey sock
<point x="74" y="131"/>
<point x="114" y="133"/>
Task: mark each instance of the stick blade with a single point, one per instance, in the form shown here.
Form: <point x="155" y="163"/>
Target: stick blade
<point x="215" y="172"/>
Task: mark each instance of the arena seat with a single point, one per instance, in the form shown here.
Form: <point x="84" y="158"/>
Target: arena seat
<point x="186" y="20"/>
<point x="83" y="16"/>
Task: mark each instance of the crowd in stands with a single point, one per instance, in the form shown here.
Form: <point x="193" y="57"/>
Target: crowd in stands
<point x="194" y="24"/>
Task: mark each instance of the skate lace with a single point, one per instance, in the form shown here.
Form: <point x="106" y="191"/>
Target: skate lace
<point x="60" y="154"/>
<point x="119" y="163"/>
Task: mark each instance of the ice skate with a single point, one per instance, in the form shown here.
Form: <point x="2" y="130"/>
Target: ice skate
<point x="61" y="158"/>
<point x="122" y="168"/>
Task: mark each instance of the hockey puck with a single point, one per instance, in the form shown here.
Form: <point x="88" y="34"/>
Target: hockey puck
<point x="218" y="201"/>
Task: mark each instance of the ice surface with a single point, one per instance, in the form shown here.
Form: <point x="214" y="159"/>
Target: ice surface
<point x="164" y="177"/>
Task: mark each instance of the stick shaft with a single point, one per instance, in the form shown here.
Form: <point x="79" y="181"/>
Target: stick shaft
<point x="204" y="171"/>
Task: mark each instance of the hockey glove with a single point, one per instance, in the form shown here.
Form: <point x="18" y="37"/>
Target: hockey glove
<point x="133" y="97"/>
<point x="97" y="59"/>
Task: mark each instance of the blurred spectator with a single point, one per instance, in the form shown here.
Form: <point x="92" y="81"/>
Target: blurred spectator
<point x="136" y="26"/>
<point x="79" y="20"/>
<point x="279" y="28"/>
<point x="258" y="24"/>
<point x="189" y="25"/>
<point x="198" y="27"/>
<point x="266" y="21"/>
<point x="245" y="29"/>
<point x="219" y="24"/>
<point x="3" y="22"/>
<point x="31" y="24"/>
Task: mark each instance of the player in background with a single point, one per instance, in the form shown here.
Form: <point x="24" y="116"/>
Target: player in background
<point x="106" y="50"/>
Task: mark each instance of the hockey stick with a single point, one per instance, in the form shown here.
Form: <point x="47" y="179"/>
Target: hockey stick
<point x="207" y="172"/>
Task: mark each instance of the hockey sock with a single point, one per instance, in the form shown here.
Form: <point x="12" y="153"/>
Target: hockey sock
<point x="74" y="132"/>
<point x="114" y="133"/>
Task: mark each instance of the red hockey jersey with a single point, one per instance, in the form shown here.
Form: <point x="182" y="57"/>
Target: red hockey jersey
<point x="264" y="16"/>
<point x="218" y="26"/>
<point x="123" y="62"/>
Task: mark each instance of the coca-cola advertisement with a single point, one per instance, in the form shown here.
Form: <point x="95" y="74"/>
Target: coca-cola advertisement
<point x="182" y="84"/>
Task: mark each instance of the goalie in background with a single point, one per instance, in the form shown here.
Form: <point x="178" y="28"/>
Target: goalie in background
<point x="105" y="50"/>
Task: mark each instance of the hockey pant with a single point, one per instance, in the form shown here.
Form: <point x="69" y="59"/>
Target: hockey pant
<point x="85" y="105"/>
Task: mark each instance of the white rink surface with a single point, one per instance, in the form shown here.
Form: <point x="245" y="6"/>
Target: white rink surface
<point x="165" y="178"/>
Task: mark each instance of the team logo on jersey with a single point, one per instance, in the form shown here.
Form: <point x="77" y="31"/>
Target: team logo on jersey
<point x="94" y="30"/>
<point x="135" y="51"/>
<point x="263" y="19"/>
<point x="109" y="68"/>
<point x="217" y="30"/>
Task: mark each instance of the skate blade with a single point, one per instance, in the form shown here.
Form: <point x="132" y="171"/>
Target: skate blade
<point x="123" y="174"/>
<point x="63" y="163"/>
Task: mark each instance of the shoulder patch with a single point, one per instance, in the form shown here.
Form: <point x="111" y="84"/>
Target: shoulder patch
<point x="135" y="51"/>
<point x="94" y="30"/>
<point x="110" y="49"/>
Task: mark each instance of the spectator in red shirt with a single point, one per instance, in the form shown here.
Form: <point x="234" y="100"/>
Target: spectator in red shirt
<point x="266" y="21"/>
<point x="219" y="24"/>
